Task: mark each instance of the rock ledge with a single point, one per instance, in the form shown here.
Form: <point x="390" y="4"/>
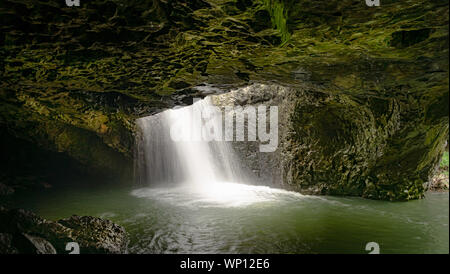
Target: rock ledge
<point x="22" y="231"/>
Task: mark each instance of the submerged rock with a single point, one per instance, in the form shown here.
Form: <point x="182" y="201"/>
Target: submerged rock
<point x="22" y="231"/>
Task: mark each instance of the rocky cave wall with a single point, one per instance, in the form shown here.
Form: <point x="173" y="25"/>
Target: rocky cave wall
<point x="368" y="87"/>
<point x="337" y="145"/>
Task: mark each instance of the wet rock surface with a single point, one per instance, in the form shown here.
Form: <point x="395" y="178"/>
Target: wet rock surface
<point x="333" y="144"/>
<point x="22" y="231"/>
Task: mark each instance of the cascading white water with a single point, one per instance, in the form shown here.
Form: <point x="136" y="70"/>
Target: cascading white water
<point x="160" y="159"/>
<point x="205" y="173"/>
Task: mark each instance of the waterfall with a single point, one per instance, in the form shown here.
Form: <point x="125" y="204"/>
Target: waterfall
<point x="189" y="159"/>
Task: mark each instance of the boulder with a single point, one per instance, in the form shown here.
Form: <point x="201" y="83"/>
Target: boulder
<point x="22" y="231"/>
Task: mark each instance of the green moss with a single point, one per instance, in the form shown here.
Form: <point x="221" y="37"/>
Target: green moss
<point x="444" y="161"/>
<point x="278" y="11"/>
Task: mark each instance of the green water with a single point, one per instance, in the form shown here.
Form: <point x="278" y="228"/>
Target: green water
<point x="247" y="219"/>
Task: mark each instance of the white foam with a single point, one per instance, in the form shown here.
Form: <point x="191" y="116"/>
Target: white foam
<point x="217" y="194"/>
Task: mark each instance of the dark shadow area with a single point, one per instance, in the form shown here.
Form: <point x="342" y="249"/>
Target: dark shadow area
<point x="25" y="166"/>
